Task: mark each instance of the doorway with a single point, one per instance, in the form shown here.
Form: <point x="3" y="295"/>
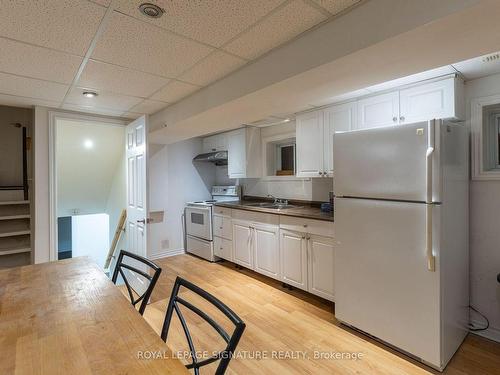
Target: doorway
<point x="89" y="186"/>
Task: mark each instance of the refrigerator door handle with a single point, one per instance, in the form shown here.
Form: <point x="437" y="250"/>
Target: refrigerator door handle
<point x="428" y="160"/>
<point x="431" y="260"/>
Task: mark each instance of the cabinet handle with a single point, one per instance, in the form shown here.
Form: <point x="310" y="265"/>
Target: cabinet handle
<point x="305" y="225"/>
<point x="220" y="227"/>
<point x="320" y="173"/>
<point x="303" y="237"/>
<point x="402" y="118"/>
<point x="394" y="119"/>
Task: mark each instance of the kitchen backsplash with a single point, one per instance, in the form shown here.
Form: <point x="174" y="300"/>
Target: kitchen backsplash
<point x="310" y="189"/>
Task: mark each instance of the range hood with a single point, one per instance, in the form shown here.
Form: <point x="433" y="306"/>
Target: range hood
<point x="217" y="157"/>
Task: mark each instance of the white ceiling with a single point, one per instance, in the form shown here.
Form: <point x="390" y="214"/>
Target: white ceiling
<point x="85" y="175"/>
<point x="52" y="50"/>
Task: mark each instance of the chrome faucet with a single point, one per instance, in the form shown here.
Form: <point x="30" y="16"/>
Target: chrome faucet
<point x="278" y="200"/>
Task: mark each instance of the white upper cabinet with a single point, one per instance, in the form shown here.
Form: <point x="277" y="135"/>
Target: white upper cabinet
<point x="244" y="153"/>
<point x="377" y="111"/>
<point x="336" y="119"/>
<point x="422" y="102"/>
<point x="314" y="138"/>
<point x="439" y="99"/>
<point x="309" y="144"/>
<point x="216" y="142"/>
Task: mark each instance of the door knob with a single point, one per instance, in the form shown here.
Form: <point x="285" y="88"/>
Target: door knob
<point x="394" y="119"/>
<point x="402" y="118"/>
<point x="142" y="221"/>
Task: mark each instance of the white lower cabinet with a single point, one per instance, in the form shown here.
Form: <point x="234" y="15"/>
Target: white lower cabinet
<point x="265" y="241"/>
<point x="321" y="261"/>
<point x="223" y="248"/>
<point x="293" y="258"/>
<point x="299" y="252"/>
<point x="242" y="246"/>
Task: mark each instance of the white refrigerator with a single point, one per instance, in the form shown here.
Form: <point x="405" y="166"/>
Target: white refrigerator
<point x="401" y="225"/>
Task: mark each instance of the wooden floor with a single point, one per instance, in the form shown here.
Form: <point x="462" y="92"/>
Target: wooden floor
<point x="280" y="320"/>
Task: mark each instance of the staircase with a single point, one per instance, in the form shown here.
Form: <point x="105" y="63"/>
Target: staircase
<point x="15" y="228"/>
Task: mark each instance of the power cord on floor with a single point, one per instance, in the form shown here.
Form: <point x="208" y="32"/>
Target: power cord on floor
<point x="473" y="328"/>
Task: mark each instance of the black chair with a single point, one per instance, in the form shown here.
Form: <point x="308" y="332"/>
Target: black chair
<point x="120" y="265"/>
<point x="231" y="341"/>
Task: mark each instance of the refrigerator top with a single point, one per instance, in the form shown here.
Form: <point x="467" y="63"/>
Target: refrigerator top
<point x="399" y="163"/>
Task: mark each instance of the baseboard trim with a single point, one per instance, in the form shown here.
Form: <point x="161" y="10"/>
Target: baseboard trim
<point x="491" y="333"/>
<point x="166" y="254"/>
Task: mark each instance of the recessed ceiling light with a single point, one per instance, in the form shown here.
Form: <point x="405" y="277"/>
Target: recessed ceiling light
<point x="151" y="10"/>
<point x="90" y="94"/>
<point x="88" y="143"/>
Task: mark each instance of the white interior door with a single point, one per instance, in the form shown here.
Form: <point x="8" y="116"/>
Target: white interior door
<point x="137" y="192"/>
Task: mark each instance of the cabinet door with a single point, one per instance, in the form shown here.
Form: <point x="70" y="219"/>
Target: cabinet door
<point x="210" y="144"/>
<point x="428" y="101"/>
<point x="321" y="264"/>
<point x="223" y="248"/>
<point x="309" y="144"/>
<point x="378" y="111"/>
<point x="336" y="119"/>
<point x="242" y="246"/>
<point x="221" y="143"/>
<point x="236" y="154"/>
<point x="266" y="250"/>
<point x="222" y="227"/>
<point x="293" y="258"/>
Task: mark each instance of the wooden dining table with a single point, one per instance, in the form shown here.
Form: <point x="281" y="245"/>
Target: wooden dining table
<point x="67" y="317"/>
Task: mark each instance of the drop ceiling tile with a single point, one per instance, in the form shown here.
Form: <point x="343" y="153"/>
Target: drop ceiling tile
<point x="148" y="106"/>
<point x="208" y="21"/>
<point x="131" y="115"/>
<point x="37" y="62"/>
<point x="145" y="47"/>
<point x="211" y="68"/>
<point x="174" y="91"/>
<point x="21" y="101"/>
<point x="105" y="99"/>
<point x="93" y="110"/>
<point x="66" y="25"/>
<point x="104" y="3"/>
<point x="336" y="6"/>
<point x="120" y="80"/>
<point x="291" y="20"/>
<point x="31" y="88"/>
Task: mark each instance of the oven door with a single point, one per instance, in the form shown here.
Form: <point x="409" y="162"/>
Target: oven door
<point x="199" y="222"/>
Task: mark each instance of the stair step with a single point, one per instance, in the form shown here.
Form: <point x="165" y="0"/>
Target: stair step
<point x="5" y="203"/>
<point x="14" y="217"/>
<point x="15" y="233"/>
<point x="18" y="250"/>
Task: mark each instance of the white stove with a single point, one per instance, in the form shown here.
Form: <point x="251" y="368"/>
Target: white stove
<point x="198" y="216"/>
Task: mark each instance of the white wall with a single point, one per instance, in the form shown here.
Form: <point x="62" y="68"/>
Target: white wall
<point x="117" y="200"/>
<point x="175" y="180"/>
<point x="90" y="237"/>
<point x="485" y="227"/>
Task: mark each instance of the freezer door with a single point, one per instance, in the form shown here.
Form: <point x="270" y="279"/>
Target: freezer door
<point x="387" y="163"/>
<point x="382" y="282"/>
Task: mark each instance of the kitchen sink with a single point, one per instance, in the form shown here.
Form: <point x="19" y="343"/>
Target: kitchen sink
<point x="276" y="206"/>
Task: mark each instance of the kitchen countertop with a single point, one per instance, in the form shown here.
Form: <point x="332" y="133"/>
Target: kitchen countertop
<point x="305" y="210"/>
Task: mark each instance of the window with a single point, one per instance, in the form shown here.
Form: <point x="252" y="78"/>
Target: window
<point x="285" y="159"/>
<point x="485" y="126"/>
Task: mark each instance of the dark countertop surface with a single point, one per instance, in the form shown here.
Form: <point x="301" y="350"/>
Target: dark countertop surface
<point x="303" y="209"/>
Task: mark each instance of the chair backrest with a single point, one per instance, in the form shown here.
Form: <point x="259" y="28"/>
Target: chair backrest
<point x="231" y="340"/>
<point x="121" y="265"/>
